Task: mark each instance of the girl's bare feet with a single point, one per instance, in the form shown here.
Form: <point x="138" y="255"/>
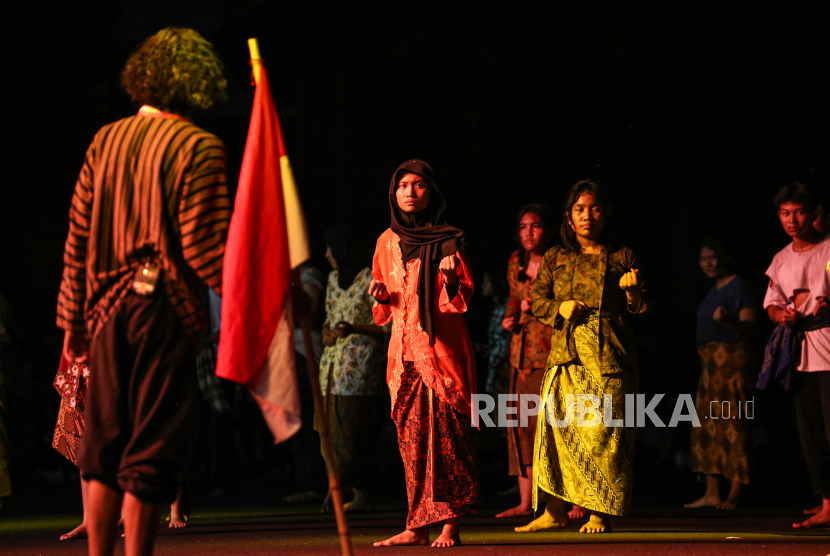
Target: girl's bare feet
<point x="525" y="491"/>
<point x="577" y="512"/>
<point x="554" y="517"/>
<point x="415" y="537"/>
<point x="597" y="523"/>
<point x="450" y="536"/>
<point x="78" y="532"/>
<point x="712" y="496"/>
<point x="728" y="504"/>
<point x="732" y="500"/>
<point x="518" y="511"/>
<point x="812" y="511"/>
<point x="706" y="501"/>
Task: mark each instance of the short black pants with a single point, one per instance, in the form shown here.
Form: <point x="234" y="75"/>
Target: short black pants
<point x="142" y="405"/>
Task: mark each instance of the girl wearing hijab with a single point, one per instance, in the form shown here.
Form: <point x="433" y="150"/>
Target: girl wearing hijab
<point x="422" y="284"/>
<point x="351" y="369"/>
<point x="585" y="290"/>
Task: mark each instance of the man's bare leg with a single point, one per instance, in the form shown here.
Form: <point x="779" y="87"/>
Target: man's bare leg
<point x="178" y="518"/>
<point x="450" y="535"/>
<point x="734" y="494"/>
<point x="822" y="518"/>
<point x="554" y="517"/>
<point x="712" y="496"/>
<point x="79" y="532"/>
<point x="101" y="513"/>
<point x="141" y="521"/>
<point x="597" y="523"/>
<point x="525" y="491"/>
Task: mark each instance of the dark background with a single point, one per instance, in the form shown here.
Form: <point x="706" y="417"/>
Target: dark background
<point x="693" y="114"/>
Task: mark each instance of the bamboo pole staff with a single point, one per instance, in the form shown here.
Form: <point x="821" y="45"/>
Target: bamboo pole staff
<point x="314" y="376"/>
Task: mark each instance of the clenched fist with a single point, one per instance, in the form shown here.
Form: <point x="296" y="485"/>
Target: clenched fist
<point x="378" y="290"/>
<point x="787" y="317"/>
<point x="571" y="310"/>
<point x="630" y="281"/>
<point x="449" y="268"/>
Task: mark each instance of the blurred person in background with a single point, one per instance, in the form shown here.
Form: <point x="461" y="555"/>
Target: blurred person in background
<point x="726" y="319"/>
<point x="530" y="343"/>
<point x="353" y="366"/>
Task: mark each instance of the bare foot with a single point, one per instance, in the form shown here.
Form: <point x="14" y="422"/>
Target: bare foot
<point x="78" y="532"/>
<point x="449" y="537"/>
<point x="518" y="511"/>
<point x="177" y="521"/>
<point x="543" y="522"/>
<point x="820" y="519"/>
<point x="417" y="537"/>
<point x="705" y="502"/>
<point x="813" y="511"/>
<point x="728" y="504"/>
<point x="578" y="512"/>
<point x="597" y="524"/>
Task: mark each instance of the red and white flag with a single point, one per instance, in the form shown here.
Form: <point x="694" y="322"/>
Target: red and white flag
<point x="266" y="240"/>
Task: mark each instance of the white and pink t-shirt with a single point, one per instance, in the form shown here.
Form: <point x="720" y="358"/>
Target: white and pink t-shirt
<point x="791" y="271"/>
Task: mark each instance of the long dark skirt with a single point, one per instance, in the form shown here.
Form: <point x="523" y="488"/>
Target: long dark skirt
<point x="439" y="461"/>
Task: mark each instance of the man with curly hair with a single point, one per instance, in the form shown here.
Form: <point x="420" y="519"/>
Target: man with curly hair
<point x="147" y="229"/>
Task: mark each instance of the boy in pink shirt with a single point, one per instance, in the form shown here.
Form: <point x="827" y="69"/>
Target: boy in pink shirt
<point x="796" y="299"/>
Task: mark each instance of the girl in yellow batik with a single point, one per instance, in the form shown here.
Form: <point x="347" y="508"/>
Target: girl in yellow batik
<point x="584" y="290"/>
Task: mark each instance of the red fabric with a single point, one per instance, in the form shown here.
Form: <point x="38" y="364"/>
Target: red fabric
<point x="448" y="368"/>
<point x="256" y="274"/>
<point x="441" y="474"/>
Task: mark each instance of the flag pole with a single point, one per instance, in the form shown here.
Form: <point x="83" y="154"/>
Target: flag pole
<point x="314" y="376"/>
<point x="325" y="437"/>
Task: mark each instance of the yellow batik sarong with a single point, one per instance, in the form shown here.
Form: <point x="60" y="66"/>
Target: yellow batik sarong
<point x="586" y="463"/>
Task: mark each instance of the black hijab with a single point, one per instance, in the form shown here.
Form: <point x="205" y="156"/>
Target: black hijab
<point x="425" y="236"/>
<point x="349" y="253"/>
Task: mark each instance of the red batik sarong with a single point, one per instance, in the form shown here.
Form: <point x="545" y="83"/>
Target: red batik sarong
<point x="441" y="474"/>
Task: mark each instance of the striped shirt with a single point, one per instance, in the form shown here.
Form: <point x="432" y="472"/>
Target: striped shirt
<point x="152" y="190"/>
